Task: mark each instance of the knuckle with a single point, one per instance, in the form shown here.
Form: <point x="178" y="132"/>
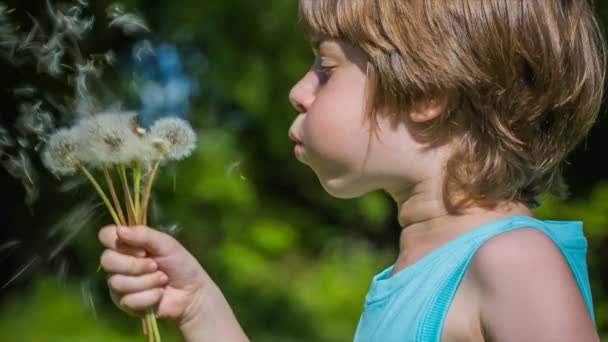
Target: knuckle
<point x="159" y="294"/>
<point x="135" y="266"/>
<point x="139" y="230"/>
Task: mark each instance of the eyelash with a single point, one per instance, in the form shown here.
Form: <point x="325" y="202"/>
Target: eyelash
<point x="323" y="70"/>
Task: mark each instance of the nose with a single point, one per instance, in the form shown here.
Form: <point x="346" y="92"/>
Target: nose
<point x="302" y="94"/>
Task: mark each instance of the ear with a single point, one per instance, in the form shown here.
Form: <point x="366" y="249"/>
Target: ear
<point x="427" y="110"/>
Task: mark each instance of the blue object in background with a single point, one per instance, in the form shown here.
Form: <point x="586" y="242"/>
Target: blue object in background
<point x="165" y="88"/>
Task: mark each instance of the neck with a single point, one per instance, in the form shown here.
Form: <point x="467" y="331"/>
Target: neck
<point x="427" y="224"/>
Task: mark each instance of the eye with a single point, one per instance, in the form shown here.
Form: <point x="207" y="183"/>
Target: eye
<point x="323" y="69"/>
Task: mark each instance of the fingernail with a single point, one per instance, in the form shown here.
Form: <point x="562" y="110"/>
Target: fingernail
<point x="163" y="278"/>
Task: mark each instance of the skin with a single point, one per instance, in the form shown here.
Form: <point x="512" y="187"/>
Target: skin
<point x="529" y="296"/>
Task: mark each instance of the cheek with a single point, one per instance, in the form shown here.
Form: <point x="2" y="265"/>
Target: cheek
<point x="337" y="115"/>
<point x="337" y="134"/>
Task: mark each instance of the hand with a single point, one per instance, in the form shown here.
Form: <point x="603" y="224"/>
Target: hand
<point x="149" y="268"/>
<point x="137" y="259"/>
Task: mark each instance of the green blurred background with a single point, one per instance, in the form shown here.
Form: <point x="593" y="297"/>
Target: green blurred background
<point x="294" y="263"/>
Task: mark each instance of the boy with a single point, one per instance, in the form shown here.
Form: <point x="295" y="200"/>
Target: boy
<point x="462" y="111"/>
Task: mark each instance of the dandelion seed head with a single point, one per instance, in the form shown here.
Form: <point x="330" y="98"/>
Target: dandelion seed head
<point x="174" y="136"/>
<point x="112" y="138"/>
<point x="60" y="154"/>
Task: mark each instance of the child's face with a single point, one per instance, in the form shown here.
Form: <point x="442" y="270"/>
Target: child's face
<point x="333" y="135"/>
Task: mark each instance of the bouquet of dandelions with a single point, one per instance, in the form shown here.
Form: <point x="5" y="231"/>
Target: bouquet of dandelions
<point x="115" y="142"/>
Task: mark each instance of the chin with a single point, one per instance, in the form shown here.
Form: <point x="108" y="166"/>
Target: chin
<point x="339" y="188"/>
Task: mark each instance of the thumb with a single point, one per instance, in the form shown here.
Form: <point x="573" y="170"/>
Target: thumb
<point x="152" y="240"/>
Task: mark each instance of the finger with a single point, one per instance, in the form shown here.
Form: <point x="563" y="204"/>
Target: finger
<point x="108" y="237"/>
<point x="114" y="262"/>
<point x="152" y="240"/>
<point x="139" y="301"/>
<point x="128" y="284"/>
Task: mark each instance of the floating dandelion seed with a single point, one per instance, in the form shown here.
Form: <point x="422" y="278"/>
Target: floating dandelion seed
<point x="60" y="153"/>
<point x="172" y="229"/>
<point x="85" y="102"/>
<point x="70" y="21"/>
<point x="174" y="137"/>
<point x="9" y="244"/>
<point x="128" y="22"/>
<point x="29" y="41"/>
<point x="34" y="121"/>
<point x="7" y="248"/>
<point x="5" y="140"/>
<point x="142" y="49"/>
<point x="82" y="72"/>
<point x="110" y="57"/>
<point x="50" y="55"/>
<point x="24" y="91"/>
<point x="19" y="166"/>
<point x="87" y="296"/>
<point x="230" y="170"/>
<point x="22" y="271"/>
<point x="8" y="39"/>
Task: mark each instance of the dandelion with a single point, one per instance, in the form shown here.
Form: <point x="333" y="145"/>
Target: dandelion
<point x="174" y="137"/>
<point x="60" y="155"/>
<point x="111" y="138"/>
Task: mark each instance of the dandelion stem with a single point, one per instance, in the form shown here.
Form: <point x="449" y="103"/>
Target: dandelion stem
<point x="117" y="205"/>
<point x="101" y="193"/>
<point x="128" y="199"/>
<point x="154" y="327"/>
<point x="149" y="328"/>
<point x="136" y="191"/>
<point x="147" y="192"/>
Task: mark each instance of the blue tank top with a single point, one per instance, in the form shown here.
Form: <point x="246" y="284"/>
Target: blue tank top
<point x="411" y="305"/>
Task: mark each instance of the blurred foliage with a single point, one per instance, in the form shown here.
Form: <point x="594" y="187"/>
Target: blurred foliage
<point x="294" y="263"/>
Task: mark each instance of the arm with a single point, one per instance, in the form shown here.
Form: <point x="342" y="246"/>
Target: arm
<point x="527" y="291"/>
<point x="211" y="319"/>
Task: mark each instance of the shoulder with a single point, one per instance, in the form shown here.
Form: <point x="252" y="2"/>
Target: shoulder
<point x="527" y="290"/>
<point x="523" y="251"/>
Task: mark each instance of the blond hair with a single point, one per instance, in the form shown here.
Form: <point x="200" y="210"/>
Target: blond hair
<point x="524" y="78"/>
